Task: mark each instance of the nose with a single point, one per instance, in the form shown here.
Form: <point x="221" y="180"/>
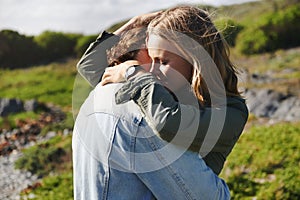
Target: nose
<point x="154" y="67"/>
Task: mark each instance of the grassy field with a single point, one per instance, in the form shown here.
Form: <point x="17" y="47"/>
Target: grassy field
<point x="283" y="66"/>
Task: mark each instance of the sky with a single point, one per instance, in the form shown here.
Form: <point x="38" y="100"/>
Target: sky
<point x="32" y="17"/>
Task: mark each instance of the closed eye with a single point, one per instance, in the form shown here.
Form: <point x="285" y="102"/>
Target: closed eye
<point x="163" y="62"/>
<point x="160" y="61"/>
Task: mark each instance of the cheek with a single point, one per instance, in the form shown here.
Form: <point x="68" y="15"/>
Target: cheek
<point x="174" y="79"/>
<point x="185" y="69"/>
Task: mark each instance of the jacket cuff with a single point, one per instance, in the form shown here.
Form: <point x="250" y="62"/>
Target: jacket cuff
<point x="131" y="89"/>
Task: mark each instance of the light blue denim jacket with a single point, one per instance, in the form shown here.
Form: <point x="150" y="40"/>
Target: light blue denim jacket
<point x="95" y="126"/>
<point x="117" y="155"/>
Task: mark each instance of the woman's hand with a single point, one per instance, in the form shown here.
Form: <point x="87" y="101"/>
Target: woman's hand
<point x="116" y="74"/>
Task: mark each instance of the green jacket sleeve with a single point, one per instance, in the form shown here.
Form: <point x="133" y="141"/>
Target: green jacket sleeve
<point x="94" y="61"/>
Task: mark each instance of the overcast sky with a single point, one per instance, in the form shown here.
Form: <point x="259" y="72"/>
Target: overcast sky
<point x="31" y="17"/>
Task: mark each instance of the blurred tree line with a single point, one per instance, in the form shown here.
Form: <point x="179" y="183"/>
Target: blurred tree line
<point x="276" y="29"/>
<point x="19" y="51"/>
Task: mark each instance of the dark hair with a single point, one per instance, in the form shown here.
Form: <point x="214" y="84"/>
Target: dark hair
<point x="127" y="48"/>
<point x="131" y="41"/>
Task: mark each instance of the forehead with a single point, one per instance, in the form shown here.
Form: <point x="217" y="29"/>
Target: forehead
<point x="161" y="46"/>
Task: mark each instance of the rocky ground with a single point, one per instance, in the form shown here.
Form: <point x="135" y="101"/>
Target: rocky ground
<point x="13" y="181"/>
<point x="268" y="102"/>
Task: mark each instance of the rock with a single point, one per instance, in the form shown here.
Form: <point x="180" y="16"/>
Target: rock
<point x="13" y="181"/>
<point x="8" y="106"/>
<point x="294" y="114"/>
<point x="285" y="107"/>
<point x="31" y="105"/>
<point x="50" y="135"/>
<point x="271" y="104"/>
<point x="263" y="103"/>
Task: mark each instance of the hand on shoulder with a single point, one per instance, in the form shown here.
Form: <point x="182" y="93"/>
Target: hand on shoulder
<point x="116" y="74"/>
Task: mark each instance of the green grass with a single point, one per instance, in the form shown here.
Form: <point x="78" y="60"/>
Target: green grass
<point x="54" y="187"/>
<point x="9" y="122"/>
<point x="51" y="83"/>
<point x="282" y="65"/>
<point x="265" y="163"/>
<point x="275" y="62"/>
<point x="46" y="157"/>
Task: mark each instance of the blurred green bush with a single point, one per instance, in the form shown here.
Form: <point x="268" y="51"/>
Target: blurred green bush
<point x="276" y="30"/>
<point x="17" y="50"/>
<point x="20" y="51"/>
<point x="56" y="45"/>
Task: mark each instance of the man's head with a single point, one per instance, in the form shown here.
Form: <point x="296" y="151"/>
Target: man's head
<point x="132" y="41"/>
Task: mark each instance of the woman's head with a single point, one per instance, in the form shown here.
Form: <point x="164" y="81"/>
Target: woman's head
<point x="187" y="27"/>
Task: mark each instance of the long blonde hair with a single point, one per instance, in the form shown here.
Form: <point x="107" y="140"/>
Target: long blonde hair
<point x="196" y="24"/>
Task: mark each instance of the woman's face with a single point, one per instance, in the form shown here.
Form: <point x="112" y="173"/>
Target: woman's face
<point x="167" y="64"/>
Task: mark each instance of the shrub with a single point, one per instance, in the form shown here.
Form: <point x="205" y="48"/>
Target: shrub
<point x="17" y="50"/>
<point x="254" y="41"/>
<point x="41" y="159"/>
<point x="56" y="45"/>
<point x="274" y="31"/>
<point x="54" y="187"/>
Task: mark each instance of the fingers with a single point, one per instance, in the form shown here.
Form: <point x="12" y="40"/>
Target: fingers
<point x="105" y="81"/>
<point x="113" y="75"/>
<point x="105" y="74"/>
<point x="106" y="77"/>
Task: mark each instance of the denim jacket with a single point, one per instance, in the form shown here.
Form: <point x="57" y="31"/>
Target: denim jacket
<point x="95" y="127"/>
